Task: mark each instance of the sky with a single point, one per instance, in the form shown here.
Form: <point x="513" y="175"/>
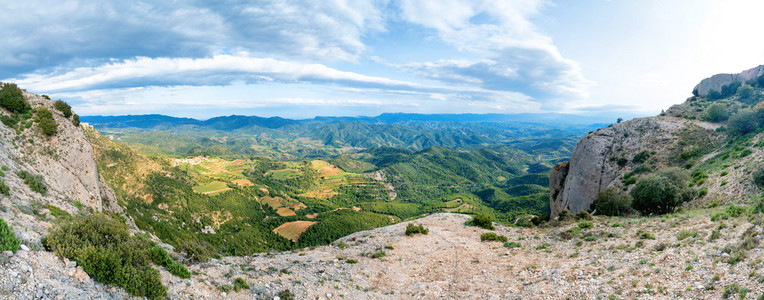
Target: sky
<point x="300" y="59"/>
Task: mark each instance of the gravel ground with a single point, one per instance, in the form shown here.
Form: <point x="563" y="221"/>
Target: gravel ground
<point x="452" y="263"/>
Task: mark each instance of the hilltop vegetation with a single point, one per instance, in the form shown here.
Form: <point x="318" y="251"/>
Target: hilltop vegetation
<point x="235" y="203"/>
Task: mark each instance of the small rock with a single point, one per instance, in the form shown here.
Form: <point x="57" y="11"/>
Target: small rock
<point x="24" y="247"/>
<point x="329" y="295"/>
<point x="276" y="298"/>
<point x="7" y="253"/>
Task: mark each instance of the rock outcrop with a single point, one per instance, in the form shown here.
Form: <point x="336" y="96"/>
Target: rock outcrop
<point x="717" y="81"/>
<point x="605" y="155"/>
<point x="65" y="163"/>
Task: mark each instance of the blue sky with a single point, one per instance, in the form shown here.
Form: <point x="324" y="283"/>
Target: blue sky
<point x="300" y="59"/>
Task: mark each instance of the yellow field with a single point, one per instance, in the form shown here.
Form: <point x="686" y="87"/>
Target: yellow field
<point x="293" y="230"/>
<point x="285" y="212"/>
<point x="243" y="182"/>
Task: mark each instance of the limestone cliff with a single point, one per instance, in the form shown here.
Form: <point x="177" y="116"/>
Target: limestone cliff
<point x="717" y="81"/>
<point x="65" y="163"/>
<point x="617" y="155"/>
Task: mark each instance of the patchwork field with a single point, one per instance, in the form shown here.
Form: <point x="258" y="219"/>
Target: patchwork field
<point x="293" y="230"/>
<point x="211" y="188"/>
<point x="243" y="182"/>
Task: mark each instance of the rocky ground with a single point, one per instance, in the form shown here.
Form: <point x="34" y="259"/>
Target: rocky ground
<point x="615" y="257"/>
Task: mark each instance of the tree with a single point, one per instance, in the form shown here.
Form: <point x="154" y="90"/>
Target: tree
<point x="612" y="202"/>
<point x="63" y="107"/>
<point x="713" y="95"/>
<point x="12" y="98"/>
<point x="743" y="122"/>
<point x="661" y="192"/>
<point x="758" y="177"/>
<point x="619" y="120"/>
<point x="745" y="94"/>
<point x="716" y="113"/>
<point x="46" y="121"/>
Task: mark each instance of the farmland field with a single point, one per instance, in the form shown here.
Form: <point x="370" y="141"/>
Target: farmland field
<point x="293" y="230"/>
<point x="212" y="188"/>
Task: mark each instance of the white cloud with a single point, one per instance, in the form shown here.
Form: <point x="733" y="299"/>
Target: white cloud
<point x="517" y="56"/>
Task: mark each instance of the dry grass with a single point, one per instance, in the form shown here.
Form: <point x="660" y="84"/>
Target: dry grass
<point x="293" y="230"/>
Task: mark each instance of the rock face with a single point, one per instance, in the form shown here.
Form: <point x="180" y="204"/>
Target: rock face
<point x="605" y="155"/>
<point x="717" y="81"/>
<point x="556" y="185"/>
<point x="65" y="163"/>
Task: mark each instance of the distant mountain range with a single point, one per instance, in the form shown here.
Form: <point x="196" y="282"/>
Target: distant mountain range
<point x="233" y="122"/>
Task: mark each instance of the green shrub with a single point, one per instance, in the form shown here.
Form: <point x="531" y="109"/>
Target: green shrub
<point x="240" y="284"/>
<point x="743" y="122"/>
<point x="351" y="261"/>
<point x="12" y="98"/>
<point x="686" y="234"/>
<point x="716" y="113"/>
<point x="481" y="220"/>
<point x="46" y="121"/>
<point x="758" y="177"/>
<point x="731" y="211"/>
<point x="644" y="235"/>
<point x="490" y="236"/>
<point x="612" y="202"/>
<point x="76" y="120"/>
<point x="4" y="189"/>
<point x="108" y="253"/>
<point x="63" y="107"/>
<point x="160" y="257"/>
<point x="641" y="157"/>
<point x="585" y="224"/>
<point x="378" y="254"/>
<point x="285" y="295"/>
<point x="196" y="251"/>
<point x="35" y="182"/>
<point x="512" y="245"/>
<point x="583" y="215"/>
<point x="660" y="193"/>
<point x="8" y="240"/>
<point x="412" y="229"/>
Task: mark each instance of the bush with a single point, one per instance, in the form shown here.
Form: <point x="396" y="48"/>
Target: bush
<point x="661" y="192"/>
<point x="35" y="182"/>
<point x="758" y="177"/>
<point x="108" y="253"/>
<point x="8" y="240"/>
<point x="76" y="120"/>
<point x="612" y="202"/>
<point x="412" y="229"/>
<point x="716" y="113"/>
<point x="481" y="220"/>
<point x="512" y="245"/>
<point x="285" y="295"/>
<point x="713" y="95"/>
<point x="490" y="236"/>
<point x="240" y="284"/>
<point x="46" y="121"/>
<point x="12" y="98"/>
<point x="743" y="122"/>
<point x="731" y="211"/>
<point x="4" y="189"/>
<point x="63" y="107"/>
<point x="583" y="215"/>
<point x="641" y="157"/>
<point x="745" y="94"/>
<point x="585" y="224"/>
<point x="160" y="257"/>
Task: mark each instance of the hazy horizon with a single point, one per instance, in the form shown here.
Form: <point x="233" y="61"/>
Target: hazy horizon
<point x="299" y="59"/>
